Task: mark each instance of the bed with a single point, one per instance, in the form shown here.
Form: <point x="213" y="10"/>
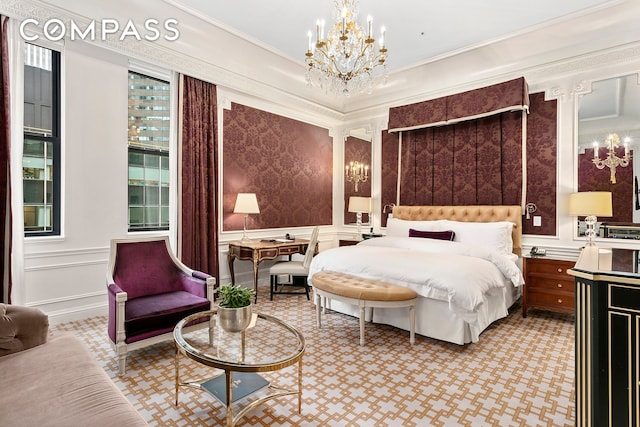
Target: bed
<point x="463" y="261"/>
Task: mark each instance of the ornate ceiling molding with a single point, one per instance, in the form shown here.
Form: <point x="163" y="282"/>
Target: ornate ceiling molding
<point x="173" y="60"/>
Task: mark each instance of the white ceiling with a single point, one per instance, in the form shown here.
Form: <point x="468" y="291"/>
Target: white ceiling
<point x="418" y="31"/>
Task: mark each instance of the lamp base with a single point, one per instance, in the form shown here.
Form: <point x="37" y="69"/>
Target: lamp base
<point x="590" y="232"/>
<point x="245" y="237"/>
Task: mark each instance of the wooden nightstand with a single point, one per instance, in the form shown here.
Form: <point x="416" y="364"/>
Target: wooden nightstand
<point x="348" y="242"/>
<point x="547" y="285"/>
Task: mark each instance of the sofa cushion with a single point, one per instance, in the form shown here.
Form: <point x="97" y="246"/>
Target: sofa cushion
<point x="21" y="328"/>
<point x="156" y="314"/>
<point x="60" y="384"/>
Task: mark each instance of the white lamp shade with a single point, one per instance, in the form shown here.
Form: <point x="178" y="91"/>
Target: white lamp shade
<point x="359" y="204"/>
<point x="246" y="203"/>
<point x="586" y="203"/>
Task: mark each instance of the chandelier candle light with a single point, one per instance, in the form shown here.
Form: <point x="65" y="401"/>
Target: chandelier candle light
<point x="343" y="61"/>
<point x="357" y="172"/>
<point x="612" y="161"/>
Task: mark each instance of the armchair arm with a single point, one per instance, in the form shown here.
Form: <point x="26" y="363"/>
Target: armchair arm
<point x="210" y="285"/>
<point x="21" y="328"/>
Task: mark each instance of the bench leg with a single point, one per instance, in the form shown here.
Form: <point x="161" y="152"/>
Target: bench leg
<point x="317" y="299"/>
<point x="362" y="311"/>
<point x="412" y="324"/>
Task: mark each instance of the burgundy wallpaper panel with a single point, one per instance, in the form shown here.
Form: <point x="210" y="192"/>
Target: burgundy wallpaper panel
<point x="356" y="149"/>
<point x="287" y="163"/>
<point x="469" y="163"/>
<point x="591" y="178"/>
<point x="390" y="142"/>
<point x="421" y="154"/>
<point x="498" y="97"/>
<point x="542" y="151"/>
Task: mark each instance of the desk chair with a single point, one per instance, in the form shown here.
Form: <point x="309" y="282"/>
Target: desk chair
<point x="296" y="270"/>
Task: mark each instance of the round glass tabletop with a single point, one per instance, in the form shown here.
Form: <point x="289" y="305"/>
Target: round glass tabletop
<point x="268" y="344"/>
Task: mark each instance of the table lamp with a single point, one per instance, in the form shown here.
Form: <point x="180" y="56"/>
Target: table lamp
<point x="590" y="204"/>
<point x="358" y="205"/>
<point x="246" y="203"/>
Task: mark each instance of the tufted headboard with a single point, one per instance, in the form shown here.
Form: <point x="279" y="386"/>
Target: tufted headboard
<point x="482" y="213"/>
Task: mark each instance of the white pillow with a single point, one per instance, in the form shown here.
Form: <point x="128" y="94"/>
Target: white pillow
<point x="494" y="235"/>
<point x="400" y="227"/>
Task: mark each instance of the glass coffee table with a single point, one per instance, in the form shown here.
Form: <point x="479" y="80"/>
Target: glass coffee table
<point x="268" y="344"/>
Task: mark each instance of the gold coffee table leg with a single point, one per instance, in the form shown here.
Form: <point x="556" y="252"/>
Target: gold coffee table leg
<point x="300" y="386"/>
<point x="229" y="381"/>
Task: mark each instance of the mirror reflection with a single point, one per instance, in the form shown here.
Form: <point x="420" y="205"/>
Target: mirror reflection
<point x="357" y="178"/>
<point x="608" y="138"/>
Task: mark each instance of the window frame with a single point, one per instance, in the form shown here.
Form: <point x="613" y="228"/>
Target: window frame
<point x="169" y="79"/>
<point x="56" y="142"/>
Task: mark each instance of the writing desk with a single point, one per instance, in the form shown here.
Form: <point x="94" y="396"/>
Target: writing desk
<point x="258" y="251"/>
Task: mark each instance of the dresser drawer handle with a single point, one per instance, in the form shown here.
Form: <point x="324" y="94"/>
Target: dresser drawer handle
<point x="559" y="285"/>
<point x="559" y="300"/>
<point x="560" y="270"/>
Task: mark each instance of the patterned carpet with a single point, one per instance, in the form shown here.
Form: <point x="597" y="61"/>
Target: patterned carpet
<point x="521" y="373"/>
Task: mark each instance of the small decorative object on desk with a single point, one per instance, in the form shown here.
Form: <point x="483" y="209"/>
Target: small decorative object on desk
<point x="234" y="309"/>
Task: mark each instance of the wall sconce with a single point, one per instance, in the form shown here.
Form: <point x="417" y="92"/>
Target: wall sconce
<point x="591" y="204"/>
<point x="612" y="161"/>
<point x="246" y="203"/>
<point x="359" y="205"/>
<point x="356" y="172"/>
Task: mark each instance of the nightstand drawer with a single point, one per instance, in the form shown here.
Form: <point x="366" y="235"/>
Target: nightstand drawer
<point x="549" y="266"/>
<point x="555" y="301"/>
<point x="555" y="283"/>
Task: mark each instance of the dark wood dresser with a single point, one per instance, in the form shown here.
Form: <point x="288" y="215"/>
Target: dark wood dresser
<point x="607" y="337"/>
<point x="547" y="284"/>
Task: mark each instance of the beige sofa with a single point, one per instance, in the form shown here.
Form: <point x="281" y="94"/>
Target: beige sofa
<point x="54" y="382"/>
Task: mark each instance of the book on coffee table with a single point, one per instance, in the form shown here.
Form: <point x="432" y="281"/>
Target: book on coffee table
<point x="244" y="384"/>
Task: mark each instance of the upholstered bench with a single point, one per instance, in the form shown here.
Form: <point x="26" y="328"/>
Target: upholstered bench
<point x="365" y="293"/>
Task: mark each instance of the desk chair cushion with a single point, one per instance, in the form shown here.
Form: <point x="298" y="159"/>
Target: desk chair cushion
<point x="293" y="268"/>
<point x="146" y="316"/>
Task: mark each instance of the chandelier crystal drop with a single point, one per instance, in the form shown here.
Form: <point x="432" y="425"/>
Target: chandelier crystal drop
<point x="343" y="61"/>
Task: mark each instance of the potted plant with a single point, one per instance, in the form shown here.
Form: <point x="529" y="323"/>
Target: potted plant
<point x="234" y="309"/>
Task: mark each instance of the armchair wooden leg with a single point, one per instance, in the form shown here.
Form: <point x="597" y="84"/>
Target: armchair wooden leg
<point x="122" y="359"/>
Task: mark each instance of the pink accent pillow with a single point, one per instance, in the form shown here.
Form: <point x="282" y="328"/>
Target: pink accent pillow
<point x="440" y="235"/>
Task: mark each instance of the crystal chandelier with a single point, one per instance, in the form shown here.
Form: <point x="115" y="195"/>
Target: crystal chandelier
<point x="344" y="60"/>
<point x="612" y="161"/>
<point x="357" y="172"/>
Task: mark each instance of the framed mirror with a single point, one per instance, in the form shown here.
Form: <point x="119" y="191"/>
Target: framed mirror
<point x="357" y="175"/>
<point x="608" y="149"/>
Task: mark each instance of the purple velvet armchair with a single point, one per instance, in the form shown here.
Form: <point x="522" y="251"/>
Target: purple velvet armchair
<point x="150" y="291"/>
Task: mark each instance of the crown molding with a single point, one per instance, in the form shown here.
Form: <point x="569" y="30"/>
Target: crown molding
<point x="165" y="57"/>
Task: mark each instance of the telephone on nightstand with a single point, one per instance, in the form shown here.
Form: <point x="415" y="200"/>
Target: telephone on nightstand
<point x="536" y="251"/>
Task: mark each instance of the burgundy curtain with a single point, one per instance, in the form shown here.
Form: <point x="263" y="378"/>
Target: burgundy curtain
<point x="477" y="162"/>
<point x="5" y="181"/>
<point x="511" y="95"/>
<point x="199" y="176"/>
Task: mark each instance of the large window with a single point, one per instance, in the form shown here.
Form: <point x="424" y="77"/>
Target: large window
<point x="41" y="157"/>
<point x="149" y="134"/>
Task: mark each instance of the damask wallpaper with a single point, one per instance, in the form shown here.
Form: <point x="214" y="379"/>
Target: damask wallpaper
<point x="356" y="149"/>
<point x="287" y="163"/>
<point x="591" y="178"/>
<point x="389" y="172"/>
<point x="542" y="151"/>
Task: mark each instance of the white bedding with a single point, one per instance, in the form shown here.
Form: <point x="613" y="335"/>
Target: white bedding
<point x="460" y="274"/>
